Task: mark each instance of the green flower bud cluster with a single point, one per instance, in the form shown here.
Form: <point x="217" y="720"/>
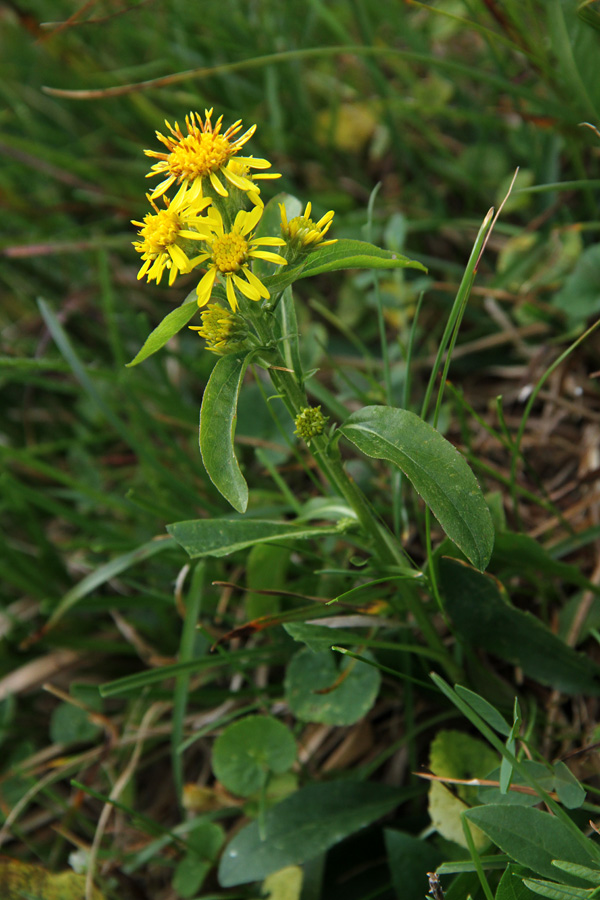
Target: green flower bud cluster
<point x="310" y="422"/>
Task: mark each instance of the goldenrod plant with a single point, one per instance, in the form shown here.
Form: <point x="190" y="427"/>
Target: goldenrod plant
<point x="272" y="655"/>
<point x="217" y="222"/>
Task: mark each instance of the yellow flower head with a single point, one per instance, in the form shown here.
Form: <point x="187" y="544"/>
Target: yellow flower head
<point x="162" y="234"/>
<point x="223" y="330"/>
<point x="230" y="255"/>
<point x="203" y="154"/>
<point x="239" y="167"/>
<point x="302" y="233"/>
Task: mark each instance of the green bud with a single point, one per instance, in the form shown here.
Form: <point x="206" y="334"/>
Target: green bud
<point x="309" y="422"/>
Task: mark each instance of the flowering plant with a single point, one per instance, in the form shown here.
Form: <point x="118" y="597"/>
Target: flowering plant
<point x="252" y="255"/>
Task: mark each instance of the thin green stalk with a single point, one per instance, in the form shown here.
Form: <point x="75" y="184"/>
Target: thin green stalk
<point x="182" y="682"/>
<point x="447" y="344"/>
<point x="395" y="474"/>
<point x="399" y="510"/>
<point x="328" y="458"/>
<point x="476" y="860"/>
<point x="279" y="481"/>
<point x="458" y="308"/>
<point x="385" y="356"/>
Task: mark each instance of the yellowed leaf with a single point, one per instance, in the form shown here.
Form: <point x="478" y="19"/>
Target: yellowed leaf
<point x="445" y="813"/>
<point x="18" y="879"/>
<point x="285" y="884"/>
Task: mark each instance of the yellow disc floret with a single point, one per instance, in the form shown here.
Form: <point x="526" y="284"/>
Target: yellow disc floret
<point x="230" y="254"/>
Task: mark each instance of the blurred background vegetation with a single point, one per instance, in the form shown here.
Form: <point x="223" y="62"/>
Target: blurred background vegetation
<point x="409" y="120"/>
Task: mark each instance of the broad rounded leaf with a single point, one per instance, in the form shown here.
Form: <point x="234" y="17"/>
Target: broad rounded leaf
<point x="446" y="811"/>
<point x="248" y="750"/>
<point x="436" y="470"/>
<point x="71" y="724"/>
<point x="170" y="325"/>
<point x="317" y="691"/>
<point x="217" y="429"/>
<point x="303" y="826"/>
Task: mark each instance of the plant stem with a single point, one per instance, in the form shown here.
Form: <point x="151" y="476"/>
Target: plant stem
<point x="325" y="453"/>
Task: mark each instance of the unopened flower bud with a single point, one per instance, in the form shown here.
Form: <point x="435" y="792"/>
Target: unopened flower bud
<point x="224" y="331"/>
<point x="310" y="422"/>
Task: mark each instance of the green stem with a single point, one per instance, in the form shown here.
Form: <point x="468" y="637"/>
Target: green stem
<point x="328" y="459"/>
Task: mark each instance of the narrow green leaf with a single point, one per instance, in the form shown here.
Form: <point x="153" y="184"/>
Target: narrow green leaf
<point x="170" y="325"/>
<point x="304" y="825"/>
<point x="536" y="771"/>
<point x="518" y="554"/>
<point x="141" y="680"/>
<point x="570" y="793"/>
<point x="554" y="891"/>
<point x="484" y="617"/>
<point x="591" y="875"/>
<point x="344" y="254"/>
<point x="436" y="470"/>
<point x="531" y="837"/>
<point x="511" y="885"/>
<point x="218" y="417"/>
<point x="104" y="573"/>
<point x="485" y="709"/>
<point x="220" y="537"/>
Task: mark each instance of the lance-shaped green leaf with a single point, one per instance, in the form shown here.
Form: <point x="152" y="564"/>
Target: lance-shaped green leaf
<point x="170" y="325"/>
<point x="344" y="254"/>
<point x="483" y="616"/>
<point x="304" y="825"/>
<point x="531" y="837"/>
<point x="220" y="537"/>
<point x="217" y="428"/>
<point x="436" y="470"/>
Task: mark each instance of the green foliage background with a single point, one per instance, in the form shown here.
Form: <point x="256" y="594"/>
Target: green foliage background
<point x="409" y="120"/>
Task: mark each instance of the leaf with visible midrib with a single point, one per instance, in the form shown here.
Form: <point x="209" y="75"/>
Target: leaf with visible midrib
<point x="220" y="537"/>
<point x="435" y="469"/>
<point x="483" y="617"/>
<point x="165" y="330"/>
<point x="217" y="429"/>
<point x="304" y="825"/>
<point x="344" y="254"/>
<point x="531" y="837"/>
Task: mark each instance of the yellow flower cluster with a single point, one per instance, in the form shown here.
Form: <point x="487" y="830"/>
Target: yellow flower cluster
<point x="207" y="223"/>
